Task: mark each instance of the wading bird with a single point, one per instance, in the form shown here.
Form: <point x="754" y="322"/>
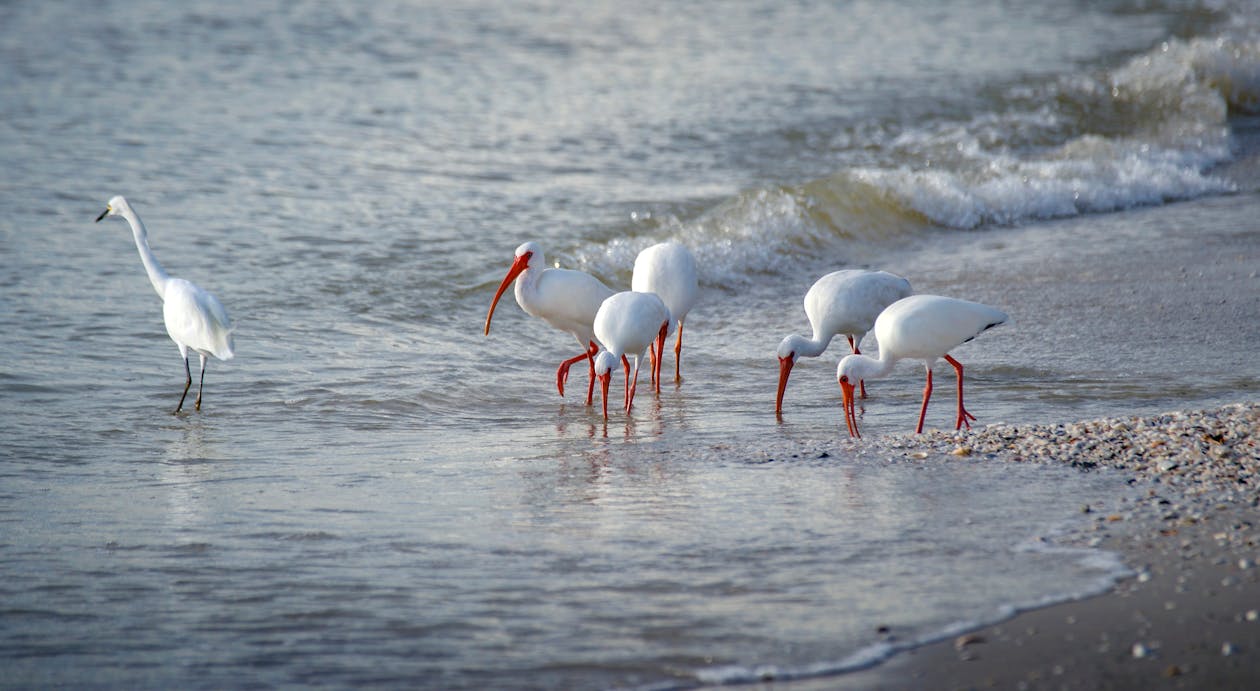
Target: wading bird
<point x="669" y="270"/>
<point x="565" y="299"/>
<point x="194" y="318"/>
<point x="842" y="302"/>
<point x="920" y="327"/>
<point x="628" y="324"/>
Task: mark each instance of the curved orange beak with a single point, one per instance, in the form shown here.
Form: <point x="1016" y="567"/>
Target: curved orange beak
<point x="603" y="389"/>
<point x="850" y="408"/>
<point x="785" y="369"/>
<point x="521" y="263"/>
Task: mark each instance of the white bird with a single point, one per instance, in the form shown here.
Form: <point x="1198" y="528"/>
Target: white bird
<point x="628" y="323"/>
<point x="194" y="318"/>
<point x="920" y="327"/>
<point x="669" y="270"/>
<point x="565" y="299"/>
<point x="842" y="302"/>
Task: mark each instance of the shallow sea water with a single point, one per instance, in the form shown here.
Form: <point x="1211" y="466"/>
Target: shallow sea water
<point x="376" y="494"/>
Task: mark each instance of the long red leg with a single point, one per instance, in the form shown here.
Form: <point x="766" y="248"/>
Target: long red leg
<point x="856" y="351"/>
<point x="630" y="389"/>
<point x="678" y="356"/>
<point x="927" y="393"/>
<point x="590" y="368"/>
<point x="655" y="360"/>
<point x="963" y="415"/>
<point x="625" y="395"/>
<point x="659" y="344"/>
<point x="660" y="359"/>
<point x="654" y="364"/>
<point x="562" y="371"/>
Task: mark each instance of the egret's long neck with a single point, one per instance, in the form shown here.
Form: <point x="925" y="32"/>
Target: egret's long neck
<point x="157" y="275"/>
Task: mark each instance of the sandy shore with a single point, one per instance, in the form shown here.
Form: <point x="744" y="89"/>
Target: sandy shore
<point x="1173" y="277"/>
<point x="1188" y="618"/>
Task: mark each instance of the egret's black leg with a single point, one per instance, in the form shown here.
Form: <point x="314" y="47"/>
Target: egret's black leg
<point x="201" y="385"/>
<point x="187" y="385"/>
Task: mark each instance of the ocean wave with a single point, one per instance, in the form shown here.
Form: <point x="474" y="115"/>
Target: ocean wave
<point x="1148" y="131"/>
<point x="764" y="231"/>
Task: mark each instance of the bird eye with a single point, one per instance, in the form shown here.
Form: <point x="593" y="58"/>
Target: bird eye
<point x="844" y="379"/>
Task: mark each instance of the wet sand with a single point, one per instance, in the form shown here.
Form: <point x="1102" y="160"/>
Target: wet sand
<point x="1187" y="621"/>
<point x="1187" y="618"/>
<point x="1127" y="295"/>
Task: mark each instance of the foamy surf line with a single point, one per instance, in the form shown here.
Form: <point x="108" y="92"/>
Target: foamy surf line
<point x="1179" y="452"/>
<point x="1149" y="131"/>
<point x="1111" y="570"/>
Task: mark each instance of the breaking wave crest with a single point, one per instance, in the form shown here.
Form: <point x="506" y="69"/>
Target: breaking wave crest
<point x="1148" y="131"/>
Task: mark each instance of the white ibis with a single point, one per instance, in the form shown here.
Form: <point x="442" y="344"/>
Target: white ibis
<point x="565" y="299"/>
<point x="669" y="270"/>
<point x="842" y="302"/>
<point x="628" y="323"/>
<point x="920" y="327"/>
<point x="194" y="318"/>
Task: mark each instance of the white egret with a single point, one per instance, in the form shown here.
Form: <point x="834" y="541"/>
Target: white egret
<point x="194" y="318"/>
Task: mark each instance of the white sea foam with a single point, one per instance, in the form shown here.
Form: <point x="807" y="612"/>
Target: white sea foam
<point x="1149" y="131"/>
<point x="755" y="232"/>
<point x="1145" y="133"/>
